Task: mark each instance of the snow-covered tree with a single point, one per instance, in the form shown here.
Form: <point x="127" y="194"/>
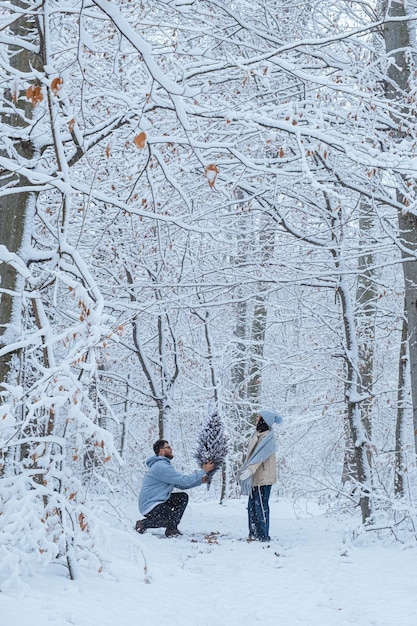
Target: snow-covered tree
<point x="212" y="444"/>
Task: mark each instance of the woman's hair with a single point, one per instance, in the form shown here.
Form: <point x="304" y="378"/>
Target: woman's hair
<point x="262" y="426"/>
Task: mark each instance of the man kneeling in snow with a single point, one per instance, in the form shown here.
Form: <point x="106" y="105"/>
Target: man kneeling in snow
<point x="161" y="507"/>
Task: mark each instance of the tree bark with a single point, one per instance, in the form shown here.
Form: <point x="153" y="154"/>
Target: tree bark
<point x="400" y="460"/>
<point x="15" y="207"/>
<point x="366" y="293"/>
<point x="358" y="434"/>
<point x="399" y="41"/>
<point x="408" y="232"/>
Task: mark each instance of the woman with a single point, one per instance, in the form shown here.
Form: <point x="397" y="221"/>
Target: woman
<point x="259" y="473"/>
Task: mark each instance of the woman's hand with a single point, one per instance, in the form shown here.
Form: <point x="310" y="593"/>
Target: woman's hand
<point x="244" y="475"/>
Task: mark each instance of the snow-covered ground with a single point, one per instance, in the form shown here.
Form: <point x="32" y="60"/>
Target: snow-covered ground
<point x="316" y="571"/>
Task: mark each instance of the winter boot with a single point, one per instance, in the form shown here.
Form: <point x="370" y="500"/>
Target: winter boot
<point x="140" y="526"/>
<point x="172" y="532"/>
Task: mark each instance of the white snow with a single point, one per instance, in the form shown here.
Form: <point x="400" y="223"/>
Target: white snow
<point x="318" y="570"/>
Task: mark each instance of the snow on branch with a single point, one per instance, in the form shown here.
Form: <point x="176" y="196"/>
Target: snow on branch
<point x="145" y="49"/>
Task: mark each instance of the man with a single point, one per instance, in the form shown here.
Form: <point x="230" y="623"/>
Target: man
<point x="160" y="507"/>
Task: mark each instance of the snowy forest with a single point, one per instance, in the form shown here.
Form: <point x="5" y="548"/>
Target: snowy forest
<point x="205" y="204"/>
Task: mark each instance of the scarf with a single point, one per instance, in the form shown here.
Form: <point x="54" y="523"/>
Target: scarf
<point x="263" y="450"/>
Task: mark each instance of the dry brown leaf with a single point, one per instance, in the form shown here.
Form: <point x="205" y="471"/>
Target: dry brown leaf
<point x="211" y="172"/>
<point x="56" y="85"/>
<point x="82" y="522"/>
<point x="34" y="94"/>
<point x="140" y="140"/>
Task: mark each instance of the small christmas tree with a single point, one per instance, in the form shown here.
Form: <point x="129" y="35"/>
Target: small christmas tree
<point x="212" y="444"/>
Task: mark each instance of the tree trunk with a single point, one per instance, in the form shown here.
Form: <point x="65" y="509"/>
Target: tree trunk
<point x="358" y="434"/>
<point x="15" y="207"/>
<point x="408" y="231"/>
<point x="259" y="323"/>
<point x="365" y="316"/>
<point x="159" y="379"/>
<point x="366" y="293"/>
<point x="399" y="39"/>
<point x="400" y="462"/>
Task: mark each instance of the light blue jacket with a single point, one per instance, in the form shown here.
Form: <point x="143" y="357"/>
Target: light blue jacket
<point x="160" y="480"/>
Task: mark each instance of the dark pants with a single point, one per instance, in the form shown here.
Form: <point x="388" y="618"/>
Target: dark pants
<point x="169" y="513"/>
<point x="258" y="513"/>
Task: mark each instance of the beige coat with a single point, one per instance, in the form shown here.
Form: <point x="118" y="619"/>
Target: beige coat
<point x="264" y="473"/>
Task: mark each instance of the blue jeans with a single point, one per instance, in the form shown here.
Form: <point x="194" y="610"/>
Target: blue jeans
<point x="258" y="513"/>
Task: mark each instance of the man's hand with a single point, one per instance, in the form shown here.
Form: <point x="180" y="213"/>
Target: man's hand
<point x="207" y="467"/>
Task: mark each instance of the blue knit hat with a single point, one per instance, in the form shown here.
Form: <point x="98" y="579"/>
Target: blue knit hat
<point x="270" y="417"/>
